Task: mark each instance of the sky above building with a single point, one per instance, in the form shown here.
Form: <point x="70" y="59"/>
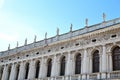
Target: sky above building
<point x="21" y="19"/>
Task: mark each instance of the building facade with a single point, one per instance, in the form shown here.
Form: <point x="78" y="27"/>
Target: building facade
<point x="90" y="53"/>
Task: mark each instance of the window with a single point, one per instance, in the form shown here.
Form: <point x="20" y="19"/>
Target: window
<point x="95" y="61"/>
<point x="37" y="53"/>
<point x="62" y="47"/>
<point x="27" y="55"/>
<point x="49" y="50"/>
<point x="116" y="58"/>
<point x="27" y="70"/>
<point x="113" y="36"/>
<point x="49" y="68"/>
<point x="94" y="40"/>
<point x="37" y="69"/>
<point x="78" y="64"/>
<point x="17" y="71"/>
<point x="62" y="69"/>
<point x="77" y="44"/>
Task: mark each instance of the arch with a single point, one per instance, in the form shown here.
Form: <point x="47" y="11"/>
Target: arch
<point x="49" y="67"/>
<point x="111" y="49"/>
<point x="37" y="66"/>
<point x="96" y="61"/>
<point x="26" y="70"/>
<point x="116" y="58"/>
<point x="17" y="71"/>
<point x="1" y="72"/>
<point x="62" y="66"/>
<point x="78" y="63"/>
<point x="9" y="71"/>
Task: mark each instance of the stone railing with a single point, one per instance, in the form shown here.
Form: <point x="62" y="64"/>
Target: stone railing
<point x="93" y="76"/>
<point x="59" y="78"/>
<point x="76" y="77"/>
<point x="115" y="75"/>
<point x="61" y="37"/>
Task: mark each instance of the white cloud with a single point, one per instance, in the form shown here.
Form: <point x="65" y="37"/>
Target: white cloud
<point x="1" y="3"/>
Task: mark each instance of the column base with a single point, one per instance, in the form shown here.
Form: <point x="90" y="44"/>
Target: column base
<point x="108" y="75"/>
<point x="103" y="75"/>
<point x="84" y="77"/>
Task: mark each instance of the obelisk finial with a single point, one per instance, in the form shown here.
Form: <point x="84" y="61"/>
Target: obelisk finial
<point x="104" y="17"/>
<point x="86" y="22"/>
<point x="26" y="41"/>
<point x="35" y="37"/>
<point x="71" y="28"/>
<point x="57" y="31"/>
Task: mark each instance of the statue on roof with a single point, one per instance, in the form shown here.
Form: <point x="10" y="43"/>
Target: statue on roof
<point x="46" y="35"/>
<point x="104" y="17"/>
<point x="9" y="47"/>
<point x="17" y="44"/>
<point x="57" y="31"/>
<point x="35" y="38"/>
<point x="26" y="41"/>
<point x="71" y="28"/>
<point x="86" y="22"/>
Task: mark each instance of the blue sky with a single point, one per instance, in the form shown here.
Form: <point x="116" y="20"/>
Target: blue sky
<point x="20" y="19"/>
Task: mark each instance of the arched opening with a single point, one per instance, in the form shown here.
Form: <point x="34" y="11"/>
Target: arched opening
<point x="116" y="58"/>
<point x="37" y="65"/>
<point x="26" y="70"/>
<point x="17" y="71"/>
<point x="1" y="72"/>
<point x="78" y="64"/>
<point x="62" y="67"/>
<point x="9" y="71"/>
<point x="49" y="67"/>
<point x="95" y="65"/>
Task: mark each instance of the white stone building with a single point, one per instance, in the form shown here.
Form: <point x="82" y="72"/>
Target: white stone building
<point x="92" y="52"/>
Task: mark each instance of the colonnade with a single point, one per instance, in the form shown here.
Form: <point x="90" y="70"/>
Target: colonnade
<point x="19" y="71"/>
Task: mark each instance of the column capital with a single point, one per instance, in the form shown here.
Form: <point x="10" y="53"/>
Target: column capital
<point x="109" y="53"/>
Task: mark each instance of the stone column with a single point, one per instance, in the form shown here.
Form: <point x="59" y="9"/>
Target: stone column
<point x="110" y="63"/>
<point x="43" y="69"/>
<point x="69" y="65"/>
<point x="5" y="73"/>
<point x="90" y="63"/>
<point x="57" y="66"/>
<point x="21" y="75"/>
<point x="104" y="62"/>
<point x="13" y="70"/>
<point x="85" y="62"/>
<point x="31" y="73"/>
<point x="54" y="69"/>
